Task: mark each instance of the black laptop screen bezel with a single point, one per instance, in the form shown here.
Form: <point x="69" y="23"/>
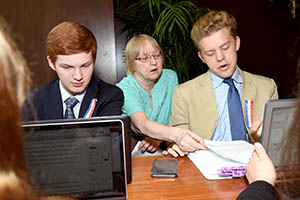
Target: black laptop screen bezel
<point x="266" y="137"/>
<point x="119" y="185"/>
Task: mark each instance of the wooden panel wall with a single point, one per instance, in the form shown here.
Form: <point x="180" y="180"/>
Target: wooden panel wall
<point x="31" y="20"/>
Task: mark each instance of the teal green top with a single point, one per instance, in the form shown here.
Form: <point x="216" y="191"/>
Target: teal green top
<point x="137" y="99"/>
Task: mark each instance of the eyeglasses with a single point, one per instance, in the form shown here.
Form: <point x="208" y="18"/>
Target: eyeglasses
<point x="146" y="59"/>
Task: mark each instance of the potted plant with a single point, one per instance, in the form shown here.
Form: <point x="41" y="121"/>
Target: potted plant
<point x="170" y="23"/>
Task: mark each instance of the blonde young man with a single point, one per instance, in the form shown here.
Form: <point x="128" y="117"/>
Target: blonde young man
<point x="202" y="105"/>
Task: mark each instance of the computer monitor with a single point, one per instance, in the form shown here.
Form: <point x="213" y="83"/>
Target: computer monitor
<point x="79" y="157"/>
<point x="278" y="118"/>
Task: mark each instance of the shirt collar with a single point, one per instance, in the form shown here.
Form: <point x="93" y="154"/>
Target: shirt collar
<point x="236" y="76"/>
<point x="65" y="94"/>
<point x="217" y="81"/>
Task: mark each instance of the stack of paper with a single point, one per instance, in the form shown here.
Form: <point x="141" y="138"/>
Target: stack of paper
<point x="221" y="154"/>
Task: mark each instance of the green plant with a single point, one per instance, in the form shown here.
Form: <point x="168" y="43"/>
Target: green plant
<point x="170" y="23"/>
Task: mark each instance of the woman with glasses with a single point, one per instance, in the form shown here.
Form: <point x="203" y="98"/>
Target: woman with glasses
<point x="148" y="90"/>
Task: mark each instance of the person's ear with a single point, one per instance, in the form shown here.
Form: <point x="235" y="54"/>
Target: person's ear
<point x="51" y="65"/>
<point x="201" y="57"/>
<point x="237" y="43"/>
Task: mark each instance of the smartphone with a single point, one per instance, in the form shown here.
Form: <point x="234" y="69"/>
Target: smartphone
<point x="164" y="167"/>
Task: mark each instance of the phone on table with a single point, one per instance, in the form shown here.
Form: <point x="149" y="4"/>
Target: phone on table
<point x="164" y="167"/>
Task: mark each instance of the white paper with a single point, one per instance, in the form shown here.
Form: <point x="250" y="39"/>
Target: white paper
<point x="221" y="154"/>
<point x="209" y="162"/>
<point x="238" y="150"/>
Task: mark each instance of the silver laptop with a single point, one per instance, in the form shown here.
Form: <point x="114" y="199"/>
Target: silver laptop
<point x="278" y="118"/>
<point x="81" y="158"/>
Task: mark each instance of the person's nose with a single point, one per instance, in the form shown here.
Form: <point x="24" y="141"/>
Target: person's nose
<point x="77" y="74"/>
<point x="152" y="60"/>
<point x="219" y="56"/>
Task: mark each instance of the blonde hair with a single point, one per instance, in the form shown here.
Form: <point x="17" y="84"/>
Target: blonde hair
<point x="14" y="76"/>
<point x="134" y="47"/>
<point x="15" y="81"/>
<point x="212" y="22"/>
<point x="12" y="187"/>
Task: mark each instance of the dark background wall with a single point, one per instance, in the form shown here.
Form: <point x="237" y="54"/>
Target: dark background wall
<point x="31" y="20"/>
<point x="267" y="33"/>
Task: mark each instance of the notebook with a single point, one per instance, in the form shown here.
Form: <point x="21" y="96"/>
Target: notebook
<point x="278" y="118"/>
<point x="82" y="158"/>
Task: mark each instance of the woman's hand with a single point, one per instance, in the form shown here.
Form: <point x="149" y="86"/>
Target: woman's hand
<point x="260" y="166"/>
<point x="175" y="151"/>
<point x="149" y="144"/>
<point x="187" y="141"/>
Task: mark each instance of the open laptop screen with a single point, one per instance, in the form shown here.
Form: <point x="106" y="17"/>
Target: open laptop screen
<point x="80" y="158"/>
<point x="278" y="118"/>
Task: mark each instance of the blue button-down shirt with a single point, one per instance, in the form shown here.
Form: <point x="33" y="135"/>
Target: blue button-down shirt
<point x="222" y="131"/>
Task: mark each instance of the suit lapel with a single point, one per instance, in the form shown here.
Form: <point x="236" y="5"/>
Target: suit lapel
<point x="54" y="102"/>
<point x="91" y="93"/>
<point x="208" y="98"/>
<point x="248" y="91"/>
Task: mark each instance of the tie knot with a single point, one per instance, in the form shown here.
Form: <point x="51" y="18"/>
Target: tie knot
<point x="229" y="81"/>
<point x="71" y="102"/>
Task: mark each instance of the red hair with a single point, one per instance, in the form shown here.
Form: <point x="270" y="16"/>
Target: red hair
<point x="70" y="38"/>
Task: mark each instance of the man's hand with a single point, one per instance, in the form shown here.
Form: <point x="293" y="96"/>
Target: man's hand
<point x="260" y="166"/>
<point x="149" y="144"/>
<point x="188" y="141"/>
<point x="257" y="127"/>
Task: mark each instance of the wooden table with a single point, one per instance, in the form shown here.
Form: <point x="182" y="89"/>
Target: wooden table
<point x="189" y="185"/>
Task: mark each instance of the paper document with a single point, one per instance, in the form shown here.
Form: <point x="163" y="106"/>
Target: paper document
<point x="238" y="150"/>
<point x="221" y="154"/>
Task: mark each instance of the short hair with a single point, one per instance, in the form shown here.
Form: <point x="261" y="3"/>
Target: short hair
<point x="69" y="38"/>
<point x="212" y="22"/>
<point x="134" y="47"/>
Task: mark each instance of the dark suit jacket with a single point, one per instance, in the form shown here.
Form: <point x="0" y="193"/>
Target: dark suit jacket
<point x="44" y="102"/>
<point x="259" y="190"/>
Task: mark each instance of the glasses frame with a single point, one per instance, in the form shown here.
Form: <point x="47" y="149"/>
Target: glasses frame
<point x="147" y="59"/>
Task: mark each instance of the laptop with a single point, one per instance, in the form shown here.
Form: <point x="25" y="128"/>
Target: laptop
<point x="81" y="158"/>
<point x="278" y="118"/>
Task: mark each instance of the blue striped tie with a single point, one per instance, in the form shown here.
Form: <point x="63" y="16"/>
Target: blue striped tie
<point x="237" y="126"/>
<point x="70" y="104"/>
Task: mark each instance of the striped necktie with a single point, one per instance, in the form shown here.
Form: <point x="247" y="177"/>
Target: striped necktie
<point x="70" y="104"/>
